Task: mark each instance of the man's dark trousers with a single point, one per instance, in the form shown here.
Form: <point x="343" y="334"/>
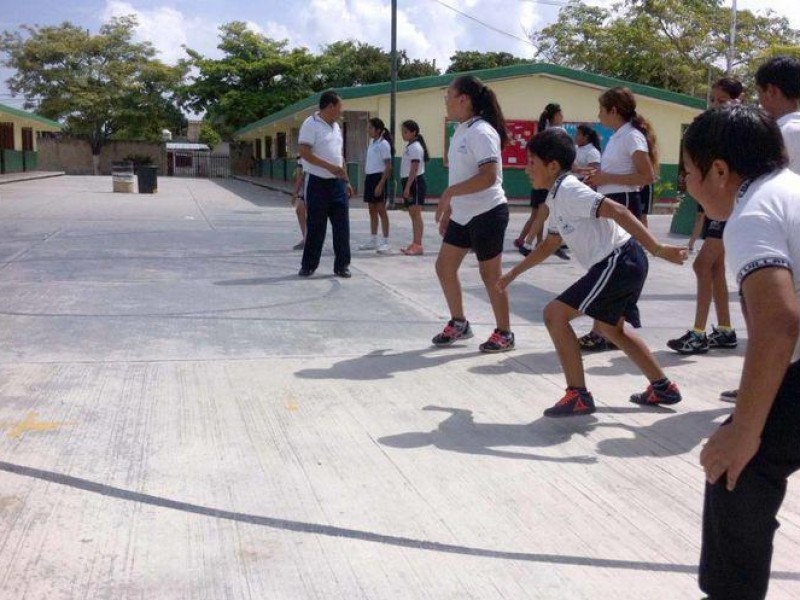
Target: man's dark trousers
<point x="326" y="199"/>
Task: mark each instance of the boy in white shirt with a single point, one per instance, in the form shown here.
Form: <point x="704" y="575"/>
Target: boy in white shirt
<point x="778" y="86"/>
<point x="607" y="239"/>
<point x="748" y="459"/>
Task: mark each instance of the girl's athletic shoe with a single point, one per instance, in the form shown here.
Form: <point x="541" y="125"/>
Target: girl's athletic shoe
<point x="573" y="404"/>
<point x="729" y="395"/>
<point x="657" y="395"/>
<point x="690" y="343"/>
<point x="499" y="341"/>
<point x="453" y="331"/>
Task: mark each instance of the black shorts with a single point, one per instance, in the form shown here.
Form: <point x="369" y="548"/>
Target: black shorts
<point x="419" y="189"/>
<point x="538" y="197"/>
<point x="370" y="181"/>
<point x="484" y="234"/>
<point x="713" y="229"/>
<point x="646" y="199"/>
<point x="630" y="200"/>
<point x="611" y="288"/>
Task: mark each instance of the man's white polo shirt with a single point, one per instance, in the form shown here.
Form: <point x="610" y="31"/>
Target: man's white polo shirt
<point x="790" y="128"/>
<point x="326" y="143"/>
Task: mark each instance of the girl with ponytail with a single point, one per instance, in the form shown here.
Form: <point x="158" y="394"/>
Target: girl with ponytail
<point x="473" y="211"/>
<point x="378" y="170"/>
<point x="412" y="182"/>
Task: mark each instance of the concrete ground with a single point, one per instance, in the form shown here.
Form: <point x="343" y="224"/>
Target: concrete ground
<point x="181" y="417"/>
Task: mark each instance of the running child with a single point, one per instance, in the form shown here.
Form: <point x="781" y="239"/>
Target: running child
<point x="473" y="211"/>
<point x="607" y="239"/>
<point x="378" y="171"/>
<point x="748" y="460"/>
<point x="412" y="181"/>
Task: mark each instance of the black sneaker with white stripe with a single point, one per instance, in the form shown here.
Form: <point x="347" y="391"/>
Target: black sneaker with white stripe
<point x="690" y="343"/>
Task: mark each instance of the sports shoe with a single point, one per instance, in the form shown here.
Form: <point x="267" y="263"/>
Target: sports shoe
<point x="454" y="330"/>
<point x="499" y="341"/>
<point x="594" y="342"/>
<point x="370" y="245"/>
<point x="299" y="245"/>
<point x="722" y="339"/>
<point x="574" y="403"/>
<point x="413" y="250"/>
<point x="562" y="254"/>
<point x="384" y="248"/>
<point x="653" y="395"/>
<point x="689" y="343"/>
<point x="729" y="395"/>
<point x="525" y="249"/>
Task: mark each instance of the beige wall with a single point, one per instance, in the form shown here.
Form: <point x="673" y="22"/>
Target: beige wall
<point x="74" y="156"/>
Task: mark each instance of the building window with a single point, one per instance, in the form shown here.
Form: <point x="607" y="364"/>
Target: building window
<point x="282" y="149"/>
<point x="27" y="139"/>
<point x="258" y="153"/>
<point x="183" y="160"/>
<point x="268" y="147"/>
<point x="6" y="136"/>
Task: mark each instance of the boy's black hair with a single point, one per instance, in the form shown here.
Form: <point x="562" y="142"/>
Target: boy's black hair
<point x="783" y="72"/>
<point x="327" y="98"/>
<point x="553" y="144"/>
<point x="746" y="138"/>
<point x="731" y="86"/>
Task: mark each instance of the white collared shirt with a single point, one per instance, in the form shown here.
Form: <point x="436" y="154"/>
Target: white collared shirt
<point x="326" y="143"/>
<point x="790" y="128"/>
<point x="586" y="155"/>
<point x="414" y="152"/>
<point x="475" y="143"/>
<point x="573" y="209"/>
<point x="378" y="152"/>
<point x="617" y="158"/>
<point x="764" y="229"/>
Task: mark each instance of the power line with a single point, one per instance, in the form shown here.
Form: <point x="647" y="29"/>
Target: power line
<point x="492" y="27"/>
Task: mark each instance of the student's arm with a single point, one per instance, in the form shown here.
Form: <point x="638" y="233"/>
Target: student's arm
<point x="412" y="175"/>
<point x="773" y="325"/>
<point x="307" y="155"/>
<point x="387" y="170"/>
<point x="484" y="179"/>
<point x="698" y="227"/>
<point x="644" y="175"/>
<point x="609" y="209"/>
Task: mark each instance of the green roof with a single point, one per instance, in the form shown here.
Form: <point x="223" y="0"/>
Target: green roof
<point x="420" y="83"/>
<point x="15" y="112"/>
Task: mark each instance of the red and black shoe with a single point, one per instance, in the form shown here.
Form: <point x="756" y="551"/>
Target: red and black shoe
<point x="573" y="404"/>
<point x="670" y="394"/>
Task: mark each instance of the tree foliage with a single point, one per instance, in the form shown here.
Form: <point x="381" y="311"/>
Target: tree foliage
<point x="471" y="60"/>
<point x="673" y="44"/>
<point x="99" y="85"/>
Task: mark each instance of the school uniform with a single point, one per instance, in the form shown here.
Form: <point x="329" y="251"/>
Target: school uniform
<point x="738" y="527"/>
<point x="790" y="128"/>
<point x="326" y="195"/>
<point x="617" y="159"/>
<point x="478" y="221"/>
<point x="617" y="264"/>
<point x="711" y="228"/>
<point x="378" y="152"/>
<point x="586" y="155"/>
<point x="414" y="153"/>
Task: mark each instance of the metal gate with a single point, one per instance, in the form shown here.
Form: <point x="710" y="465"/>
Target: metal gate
<point x="187" y="163"/>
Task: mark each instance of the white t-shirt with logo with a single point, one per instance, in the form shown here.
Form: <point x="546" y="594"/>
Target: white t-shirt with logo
<point x="573" y="209"/>
<point x="790" y="128"/>
<point x="326" y="143"/>
<point x="378" y="151"/>
<point x="764" y="229"/>
<point x="617" y="158"/>
<point x="413" y="152"/>
<point x="475" y="143"/>
<point x="586" y="155"/>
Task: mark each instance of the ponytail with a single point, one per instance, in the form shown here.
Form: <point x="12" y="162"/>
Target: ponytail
<point x="643" y="125"/>
<point x="547" y="116"/>
<point x="379" y="125"/>
<point x="413" y="127"/>
<point x="623" y="100"/>
<point x="484" y="104"/>
<point x="591" y="135"/>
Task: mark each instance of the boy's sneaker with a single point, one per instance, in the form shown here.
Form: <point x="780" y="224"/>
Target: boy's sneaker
<point x="729" y="395"/>
<point x="722" y="339"/>
<point x="689" y="343"/>
<point x="454" y="330"/>
<point x="524" y="249"/>
<point x="499" y="341"/>
<point x="594" y="342"/>
<point x="370" y="245"/>
<point x="574" y="403"/>
<point x="653" y="395"/>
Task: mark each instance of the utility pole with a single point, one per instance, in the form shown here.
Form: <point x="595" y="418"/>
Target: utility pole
<point x="393" y="98"/>
<point x="732" y="40"/>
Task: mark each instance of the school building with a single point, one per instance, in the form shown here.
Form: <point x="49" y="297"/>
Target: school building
<point x="19" y="131"/>
<point x="522" y="90"/>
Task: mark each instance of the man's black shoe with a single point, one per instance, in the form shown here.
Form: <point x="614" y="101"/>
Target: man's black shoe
<point x="305" y="272"/>
<point x="343" y="273"/>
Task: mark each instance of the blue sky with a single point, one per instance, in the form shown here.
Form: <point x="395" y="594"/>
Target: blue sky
<point x="426" y="29"/>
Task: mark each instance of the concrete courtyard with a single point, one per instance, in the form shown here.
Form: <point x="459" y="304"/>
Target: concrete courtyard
<point x="182" y="417"/>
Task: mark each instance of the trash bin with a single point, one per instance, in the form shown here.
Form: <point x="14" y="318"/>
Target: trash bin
<point x="122" y="177"/>
<point x="147" y="176"/>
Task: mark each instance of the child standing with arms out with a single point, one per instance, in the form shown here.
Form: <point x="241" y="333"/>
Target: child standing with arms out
<point x="607" y="239"/>
<point x="412" y="180"/>
<point x="473" y="211"/>
<point x="378" y="170"/>
<point x="748" y="460"/>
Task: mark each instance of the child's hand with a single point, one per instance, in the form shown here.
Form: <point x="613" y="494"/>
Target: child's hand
<point x="673" y="254"/>
<point x="504" y="282"/>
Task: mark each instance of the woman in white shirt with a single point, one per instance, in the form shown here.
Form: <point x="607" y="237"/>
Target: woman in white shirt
<point x="377" y="171"/>
<point x="412" y="182"/>
<point x="473" y="211"/>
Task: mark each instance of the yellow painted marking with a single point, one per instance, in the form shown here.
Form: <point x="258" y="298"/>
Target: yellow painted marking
<point x="31" y="424"/>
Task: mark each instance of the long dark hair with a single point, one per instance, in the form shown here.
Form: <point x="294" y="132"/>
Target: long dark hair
<point x="484" y="103"/>
<point x="413" y="127"/>
<point x="548" y="114"/>
<point x="590" y="134"/>
<point x="385" y="133"/>
<point x="623" y="100"/>
<point x="731" y="86"/>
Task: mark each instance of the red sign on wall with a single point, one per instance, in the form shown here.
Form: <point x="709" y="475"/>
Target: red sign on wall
<point x="519" y="132"/>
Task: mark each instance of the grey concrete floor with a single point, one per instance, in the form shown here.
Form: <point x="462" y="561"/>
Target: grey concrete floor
<point x="182" y="417"/>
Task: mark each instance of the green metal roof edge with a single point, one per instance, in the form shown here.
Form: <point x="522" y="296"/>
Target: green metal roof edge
<point x="28" y="115"/>
<point x="420" y="83"/>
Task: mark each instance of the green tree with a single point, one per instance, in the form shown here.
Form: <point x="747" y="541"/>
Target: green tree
<point x="349" y="63"/>
<point x="471" y="60"/>
<point x="209" y="135"/>
<point x="98" y="85"/>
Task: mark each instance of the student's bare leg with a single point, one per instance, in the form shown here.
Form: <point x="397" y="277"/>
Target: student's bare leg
<point x="633" y="346"/>
<point x="383" y="215"/>
<point x="373" y="218"/>
<point x="300" y="211"/>
<point x="447" y="265"/>
<point x="720" y="284"/>
<point x="491" y="270"/>
<point x="417" y="226"/>
<point x="702" y="266"/>
<point x="557" y="317"/>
